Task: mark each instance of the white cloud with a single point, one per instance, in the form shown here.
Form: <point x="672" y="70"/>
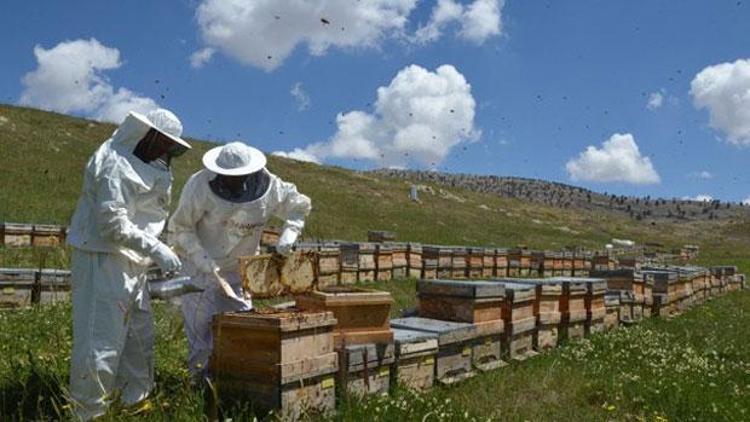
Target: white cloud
<point x="299" y="155"/>
<point x="479" y="21"/>
<point x="746" y="201"/>
<point x="201" y="57"/>
<point x="300" y="96"/>
<point x="699" y="198"/>
<point x="618" y="160"/>
<point x="704" y="174"/>
<point x="69" y="78"/>
<point x="419" y="117"/>
<point x="724" y="89"/>
<point x="655" y="100"/>
<point x="263" y="33"/>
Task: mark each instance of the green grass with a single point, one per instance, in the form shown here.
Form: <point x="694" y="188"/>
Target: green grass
<point x="692" y="367"/>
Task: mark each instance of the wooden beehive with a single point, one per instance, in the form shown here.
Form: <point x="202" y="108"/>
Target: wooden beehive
<point x="414" y="257"/>
<point x="329" y="264"/>
<point x="627" y="312"/>
<point x="349" y="263"/>
<point x="367" y="263"/>
<point x="365" y="369"/>
<point x="558" y="263"/>
<point x="665" y="282"/>
<point x="362" y="314"/>
<point x="269" y="275"/>
<point x="282" y="361"/>
<point x="520" y="320"/>
<point x="17" y="235"/>
<point x="572" y="307"/>
<point x="415" y="359"/>
<point x="474" y="262"/>
<point x="488" y="263"/>
<point x="458" y="262"/>
<point x="379" y="236"/>
<point x="514" y="263"/>
<point x="537" y="264"/>
<point x="548" y="264"/>
<point x="457" y="300"/>
<point x="501" y="262"/>
<point x="400" y="260"/>
<point x="455" y="340"/>
<point x="487" y="348"/>
<point x="595" y="306"/>
<point x="383" y="262"/>
<point x="47" y="235"/>
<point x="21" y="287"/>
<point x="567" y="264"/>
<point x="430" y="261"/>
<point x="270" y="236"/>
<point x="612" y="306"/>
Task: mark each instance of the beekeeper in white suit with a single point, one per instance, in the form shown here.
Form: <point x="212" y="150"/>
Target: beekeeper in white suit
<point x="220" y="217"/>
<point x="114" y="235"/>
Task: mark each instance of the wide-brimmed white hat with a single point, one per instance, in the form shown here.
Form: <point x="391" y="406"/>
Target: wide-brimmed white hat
<point x="234" y="159"/>
<point x="165" y="122"/>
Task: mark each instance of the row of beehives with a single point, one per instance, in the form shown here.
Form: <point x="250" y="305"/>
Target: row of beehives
<point x="332" y="264"/>
<point x="22" y="235"/>
<point x="26" y="286"/>
<point x="339" y="340"/>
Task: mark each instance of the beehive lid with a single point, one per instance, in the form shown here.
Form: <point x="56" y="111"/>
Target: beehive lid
<point x="458" y="250"/>
<point x="612" y="298"/>
<point x="284" y="320"/>
<point x="415" y="247"/>
<point x="595" y="285"/>
<point x="375" y="354"/>
<point x="461" y="288"/>
<point x="547" y="285"/>
<point x="347" y="295"/>
<point x="621" y="272"/>
<point x="519" y="292"/>
<point x="448" y="332"/>
<point x="412" y="341"/>
<point x="661" y="275"/>
<point x="573" y="284"/>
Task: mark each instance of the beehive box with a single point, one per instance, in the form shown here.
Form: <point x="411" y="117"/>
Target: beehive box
<point x="458" y="262"/>
<point x="362" y="314"/>
<point x="596" y="309"/>
<point x="665" y="282"/>
<point x="520" y="320"/>
<point x="519" y="263"/>
<point x="444" y="258"/>
<point x="630" y="262"/>
<point x="365" y="369"/>
<point x="281" y="361"/>
<point x="455" y="339"/>
<point x="548" y="264"/>
<point x="603" y="261"/>
<point x="572" y="307"/>
<point x="487" y="348"/>
<point x="628" y="314"/>
<point x="379" y="236"/>
<point x="579" y="265"/>
<point x="349" y="263"/>
<point x="17" y="235"/>
<point x="367" y="263"/>
<point x="501" y="262"/>
<point x="546" y="310"/>
<point x="612" y="305"/>
<point x="329" y="264"/>
<point x="269" y="275"/>
<point x="400" y="260"/>
<point x="457" y="300"/>
<point x="383" y="262"/>
<point x="558" y="262"/>
<point x="567" y="264"/>
<point x="47" y="235"/>
<point x="488" y="263"/>
<point x="474" y="262"/>
<point x="415" y="359"/>
<point x="537" y="264"/>
<point x="660" y="307"/>
<point x="414" y="257"/>
<point x="735" y="283"/>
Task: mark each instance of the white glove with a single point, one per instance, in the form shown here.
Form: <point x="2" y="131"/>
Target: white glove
<point x="165" y="258"/>
<point x="286" y="241"/>
<point x="203" y="262"/>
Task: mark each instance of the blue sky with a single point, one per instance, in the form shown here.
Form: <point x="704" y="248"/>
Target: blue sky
<point x="560" y="76"/>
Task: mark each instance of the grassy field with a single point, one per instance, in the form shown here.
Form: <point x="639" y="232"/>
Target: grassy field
<point x="692" y="367"/>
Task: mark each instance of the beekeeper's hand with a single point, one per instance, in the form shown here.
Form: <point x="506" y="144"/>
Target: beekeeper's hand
<point x="203" y="262"/>
<point x="286" y="242"/>
<point x="165" y="258"/>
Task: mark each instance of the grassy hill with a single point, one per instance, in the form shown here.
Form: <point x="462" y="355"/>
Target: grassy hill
<point x="44" y="154"/>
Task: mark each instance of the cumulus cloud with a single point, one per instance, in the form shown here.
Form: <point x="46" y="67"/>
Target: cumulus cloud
<point x="298" y="154"/>
<point x="300" y="96"/>
<point x="263" y="33"/>
<point x="69" y="78"/>
<point x="655" y="100"/>
<point x="746" y="201"/>
<point x="704" y="175"/>
<point x="201" y="57"/>
<point x="699" y="198"/>
<point x="419" y="117"/>
<point x="478" y="21"/>
<point x="724" y="89"/>
<point x="618" y="160"/>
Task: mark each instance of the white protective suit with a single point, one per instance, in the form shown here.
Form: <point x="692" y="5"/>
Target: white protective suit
<point x="121" y="211"/>
<point x="211" y="232"/>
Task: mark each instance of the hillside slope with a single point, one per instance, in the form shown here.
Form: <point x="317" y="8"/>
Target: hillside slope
<point x="44" y="154"/>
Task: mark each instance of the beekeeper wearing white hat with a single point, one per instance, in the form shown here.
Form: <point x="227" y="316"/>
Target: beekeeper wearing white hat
<point x="114" y="234"/>
<point x="220" y="217"/>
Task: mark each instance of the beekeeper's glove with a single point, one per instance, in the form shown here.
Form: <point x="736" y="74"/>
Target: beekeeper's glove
<point x="286" y="242"/>
<point x="165" y="258"/>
